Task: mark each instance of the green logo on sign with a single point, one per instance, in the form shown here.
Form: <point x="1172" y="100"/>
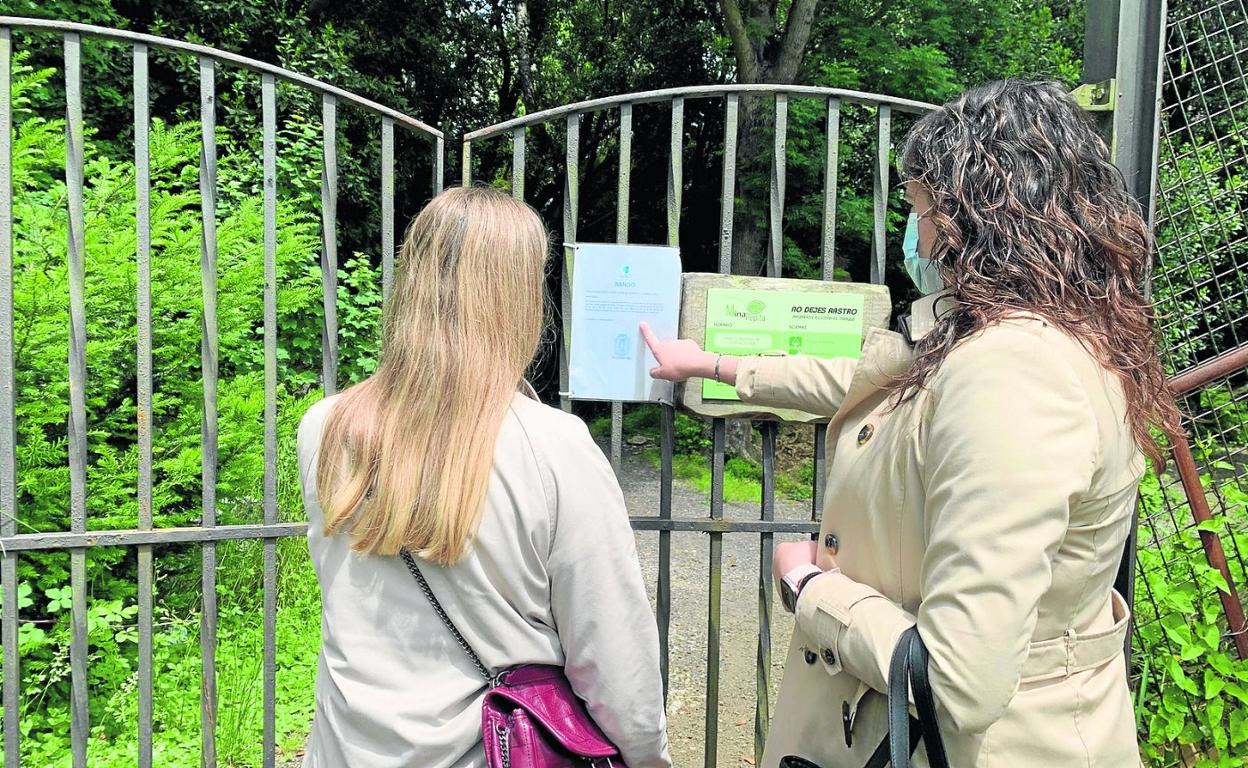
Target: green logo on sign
<point x="756" y="307"/>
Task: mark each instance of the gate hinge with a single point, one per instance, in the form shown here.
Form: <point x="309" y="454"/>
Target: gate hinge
<point x="1097" y="97"/>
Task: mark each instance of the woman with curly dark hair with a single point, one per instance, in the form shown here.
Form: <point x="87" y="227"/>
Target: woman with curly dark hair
<point x="983" y="463"/>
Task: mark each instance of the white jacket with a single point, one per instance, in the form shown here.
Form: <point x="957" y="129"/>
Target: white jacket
<point x="552" y="578"/>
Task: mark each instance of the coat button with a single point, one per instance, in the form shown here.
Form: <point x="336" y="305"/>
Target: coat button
<point x="811" y="656"/>
<point x="828" y="657"/>
<point x="832" y="543"/>
<point x="865" y="433"/>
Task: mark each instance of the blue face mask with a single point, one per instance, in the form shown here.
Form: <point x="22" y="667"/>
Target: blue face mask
<point x="922" y="271"/>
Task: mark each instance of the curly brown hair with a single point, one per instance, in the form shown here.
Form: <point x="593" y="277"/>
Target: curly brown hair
<point x="1031" y="215"/>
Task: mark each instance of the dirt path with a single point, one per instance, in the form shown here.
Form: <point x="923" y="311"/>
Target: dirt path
<point x="739" y="617"/>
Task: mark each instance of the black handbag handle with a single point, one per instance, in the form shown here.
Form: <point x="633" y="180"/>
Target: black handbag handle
<point x="900" y="745"/>
<point x="925" y="702"/>
<point x="907" y="671"/>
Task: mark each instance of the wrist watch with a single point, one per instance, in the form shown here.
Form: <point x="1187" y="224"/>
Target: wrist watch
<point x="792" y="582"/>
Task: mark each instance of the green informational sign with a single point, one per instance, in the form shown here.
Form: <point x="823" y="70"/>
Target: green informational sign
<point x="749" y="322"/>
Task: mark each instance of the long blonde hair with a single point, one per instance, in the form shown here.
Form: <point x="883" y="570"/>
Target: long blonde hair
<point x="406" y="455"/>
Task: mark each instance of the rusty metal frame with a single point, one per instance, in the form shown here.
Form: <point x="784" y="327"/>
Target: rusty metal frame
<point x="1191" y="380"/>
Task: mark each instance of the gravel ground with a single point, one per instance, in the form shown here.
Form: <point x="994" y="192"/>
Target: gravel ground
<point x="739" y="618"/>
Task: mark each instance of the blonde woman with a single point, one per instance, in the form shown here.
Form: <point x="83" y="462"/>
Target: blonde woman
<point x="511" y="510"/>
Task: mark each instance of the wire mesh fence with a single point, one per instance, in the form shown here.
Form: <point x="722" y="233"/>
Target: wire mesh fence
<point x="1194" y="529"/>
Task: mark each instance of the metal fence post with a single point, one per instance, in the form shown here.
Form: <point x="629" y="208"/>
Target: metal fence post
<point x="1123" y="45"/>
<point x="8" y="431"/>
<point x="1136" y="120"/>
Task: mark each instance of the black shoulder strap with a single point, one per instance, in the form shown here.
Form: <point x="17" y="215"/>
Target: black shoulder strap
<point x="908" y="670"/>
<point x="1125" y="580"/>
<point x="925" y="703"/>
<point x="899" y="744"/>
<point x="902" y="326"/>
<point x="446" y="620"/>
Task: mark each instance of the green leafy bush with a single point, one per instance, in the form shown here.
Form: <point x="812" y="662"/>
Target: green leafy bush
<point x="1192" y="695"/>
<point x="41" y="344"/>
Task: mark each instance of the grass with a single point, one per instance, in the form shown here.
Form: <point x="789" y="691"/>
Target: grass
<point x="743" y="478"/>
<point x="239" y="660"/>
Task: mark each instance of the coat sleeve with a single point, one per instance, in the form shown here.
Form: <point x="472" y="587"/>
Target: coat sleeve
<point x="811" y="384"/>
<point x="598" y="600"/>
<point x="1010" y="446"/>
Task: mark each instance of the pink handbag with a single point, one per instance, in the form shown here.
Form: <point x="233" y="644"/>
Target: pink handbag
<point x="531" y="717"/>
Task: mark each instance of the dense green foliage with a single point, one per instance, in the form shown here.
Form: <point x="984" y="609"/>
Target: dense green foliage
<point x="41" y="350"/>
<point x="1203" y="240"/>
<point x="1192" y="691"/>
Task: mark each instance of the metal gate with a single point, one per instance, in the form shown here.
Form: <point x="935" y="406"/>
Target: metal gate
<point x="144" y="537"/>
<point x="616" y="114"/>
<point x="1204" y="98"/>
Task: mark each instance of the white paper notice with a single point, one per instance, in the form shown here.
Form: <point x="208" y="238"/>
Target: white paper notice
<point x="615" y="288"/>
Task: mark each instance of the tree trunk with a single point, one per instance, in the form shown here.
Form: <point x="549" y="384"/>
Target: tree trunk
<point x="749" y="238"/>
<point x="760" y="59"/>
<point x="739" y="440"/>
<point x="524" y="59"/>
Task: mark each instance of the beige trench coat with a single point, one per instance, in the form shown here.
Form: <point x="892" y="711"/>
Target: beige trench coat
<point x="992" y="509"/>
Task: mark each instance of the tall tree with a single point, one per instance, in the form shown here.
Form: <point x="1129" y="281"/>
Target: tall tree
<point x="768" y="42"/>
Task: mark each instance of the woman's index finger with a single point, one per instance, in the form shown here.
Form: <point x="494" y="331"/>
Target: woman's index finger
<point x="649" y="336"/>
